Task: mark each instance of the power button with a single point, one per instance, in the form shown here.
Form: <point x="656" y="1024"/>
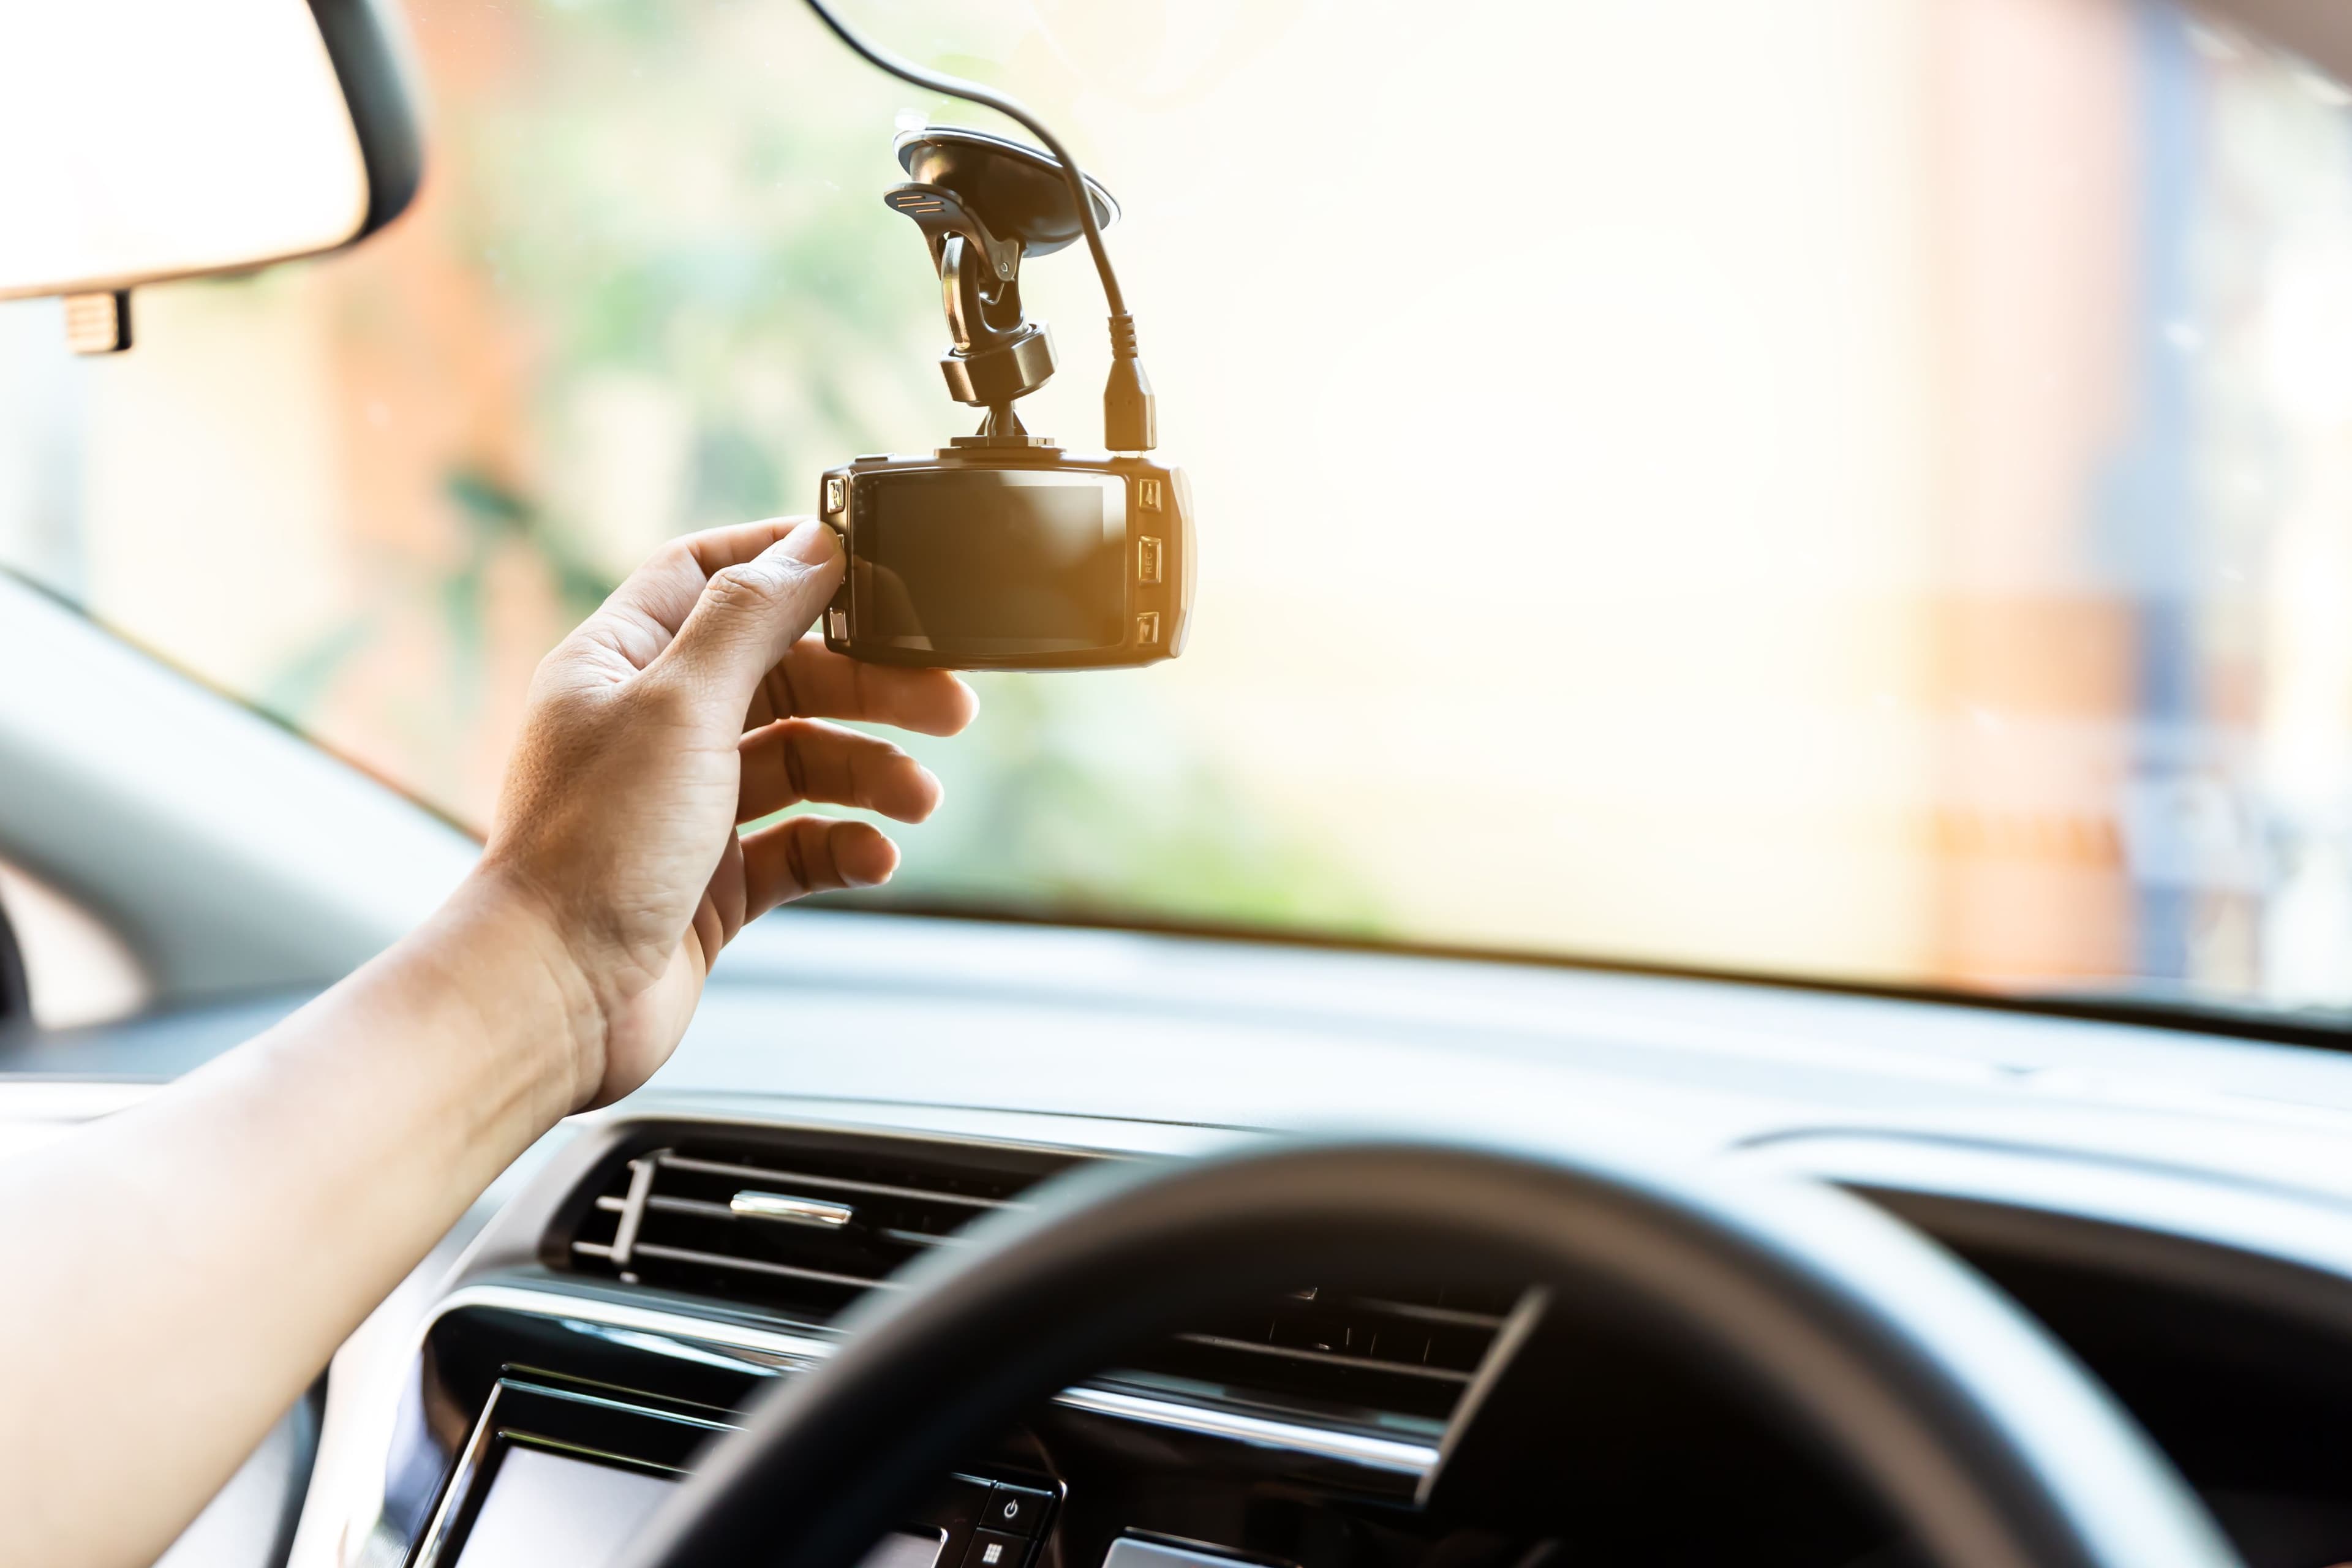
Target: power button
<point x="1016" y="1510"/>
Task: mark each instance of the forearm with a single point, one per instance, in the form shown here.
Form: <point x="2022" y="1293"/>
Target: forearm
<point x="250" y="1215"/>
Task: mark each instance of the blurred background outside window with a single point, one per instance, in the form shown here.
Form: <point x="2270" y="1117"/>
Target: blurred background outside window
<point x="1849" y="487"/>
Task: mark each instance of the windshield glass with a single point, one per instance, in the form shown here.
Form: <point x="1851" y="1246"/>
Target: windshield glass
<point x="1855" y="488"/>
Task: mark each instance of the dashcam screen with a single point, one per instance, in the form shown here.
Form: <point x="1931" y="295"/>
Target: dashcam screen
<point x="963" y="563"/>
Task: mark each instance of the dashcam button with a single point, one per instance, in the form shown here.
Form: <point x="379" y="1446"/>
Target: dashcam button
<point x="1146" y="629"/>
<point x="835" y="493"/>
<point x="1017" y="1509"/>
<point x="994" y="1549"/>
<point x="1147" y="560"/>
<point x="1147" y="494"/>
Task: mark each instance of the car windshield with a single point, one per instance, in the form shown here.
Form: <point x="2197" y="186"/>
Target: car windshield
<point x="1856" y="490"/>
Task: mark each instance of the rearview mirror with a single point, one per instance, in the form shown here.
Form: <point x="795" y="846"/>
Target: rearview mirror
<point x="146" y="139"/>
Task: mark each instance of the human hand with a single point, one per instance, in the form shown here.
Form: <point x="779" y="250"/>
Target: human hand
<point x="689" y="703"/>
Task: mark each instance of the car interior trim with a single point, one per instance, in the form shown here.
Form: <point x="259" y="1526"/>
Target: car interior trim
<point x="1524" y="1315"/>
<point x="461" y="1483"/>
<point x="1392" y="1455"/>
<point x="2245" y="1216"/>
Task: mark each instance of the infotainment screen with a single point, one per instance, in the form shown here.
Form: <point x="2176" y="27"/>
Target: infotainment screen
<point x="545" y="1509"/>
<point x="551" y="1511"/>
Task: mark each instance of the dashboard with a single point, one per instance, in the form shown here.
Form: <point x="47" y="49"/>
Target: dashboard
<point x="619" y="1312"/>
<point x="2176" y="1210"/>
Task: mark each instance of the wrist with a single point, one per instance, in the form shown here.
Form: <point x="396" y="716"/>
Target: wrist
<point x="525" y="975"/>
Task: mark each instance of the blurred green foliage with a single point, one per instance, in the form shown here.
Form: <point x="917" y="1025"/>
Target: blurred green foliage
<point x="685" y="194"/>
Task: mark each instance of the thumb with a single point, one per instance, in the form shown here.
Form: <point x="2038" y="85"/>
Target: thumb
<point x="748" y="614"/>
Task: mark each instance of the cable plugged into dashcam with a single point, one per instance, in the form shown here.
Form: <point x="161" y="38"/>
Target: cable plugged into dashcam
<point x="1130" y="414"/>
<point x="1130" y="419"/>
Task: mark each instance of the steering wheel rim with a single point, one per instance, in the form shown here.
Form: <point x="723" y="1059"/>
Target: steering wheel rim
<point x="1974" y="1430"/>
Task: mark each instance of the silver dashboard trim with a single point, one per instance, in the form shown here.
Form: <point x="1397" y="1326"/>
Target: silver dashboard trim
<point x="461" y="1482"/>
<point x="1391" y="1454"/>
<point x="792" y="1350"/>
<point x="1395" y="1456"/>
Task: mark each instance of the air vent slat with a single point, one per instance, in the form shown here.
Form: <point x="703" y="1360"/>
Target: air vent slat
<point x="916" y="1238"/>
<point x="753" y="1265"/>
<point x="1327" y="1358"/>
<point x="837" y="1183"/>
<point x="1492" y="1322"/>
<point x="687" y="1218"/>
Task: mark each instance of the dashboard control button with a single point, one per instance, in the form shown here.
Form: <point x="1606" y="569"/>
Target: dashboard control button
<point x="1018" y="1510"/>
<point x="994" y="1549"/>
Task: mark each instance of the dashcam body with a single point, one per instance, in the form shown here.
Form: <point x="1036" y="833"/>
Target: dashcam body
<point x="989" y="556"/>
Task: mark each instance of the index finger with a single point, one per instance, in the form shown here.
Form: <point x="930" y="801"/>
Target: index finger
<point x="814" y="682"/>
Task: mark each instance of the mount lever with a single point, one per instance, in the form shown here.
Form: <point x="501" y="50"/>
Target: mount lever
<point x="984" y="205"/>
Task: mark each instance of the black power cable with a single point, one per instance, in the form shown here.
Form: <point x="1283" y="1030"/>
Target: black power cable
<point x="1129" y="418"/>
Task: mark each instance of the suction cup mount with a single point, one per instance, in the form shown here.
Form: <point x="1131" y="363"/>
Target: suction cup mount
<point x="984" y="203"/>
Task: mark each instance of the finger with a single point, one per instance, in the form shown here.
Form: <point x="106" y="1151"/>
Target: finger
<point x="750" y="612"/>
<point x="812" y="681"/>
<point x="638" y="618"/>
<point x="804" y="855"/>
<point x="801" y="759"/>
<point x="720" y="915"/>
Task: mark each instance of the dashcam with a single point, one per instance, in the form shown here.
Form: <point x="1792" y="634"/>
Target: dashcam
<point x="1002" y="551"/>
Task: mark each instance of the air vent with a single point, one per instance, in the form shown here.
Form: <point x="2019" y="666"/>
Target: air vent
<point x="804" y="1229"/>
<point x="1410" y="1353"/>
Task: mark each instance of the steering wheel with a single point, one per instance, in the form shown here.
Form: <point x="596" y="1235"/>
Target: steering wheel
<point x="1972" y="1429"/>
